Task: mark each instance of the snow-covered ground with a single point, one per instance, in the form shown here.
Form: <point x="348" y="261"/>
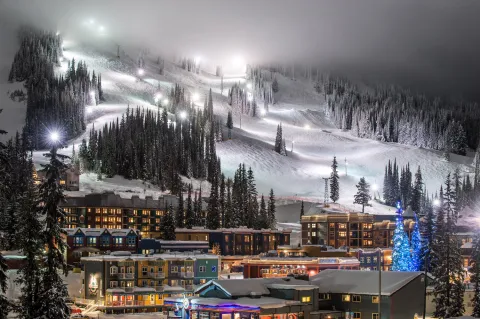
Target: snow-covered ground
<point x="299" y="175"/>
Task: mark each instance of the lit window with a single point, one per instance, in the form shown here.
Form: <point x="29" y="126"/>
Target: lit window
<point x="308" y="234"/>
<point x="314" y="225"/>
<point x="374" y="299"/>
<point x="92" y="241"/>
<point x="206" y="237"/>
<point x="113" y="270"/>
<point x="306" y="299"/>
<point x="342" y="226"/>
<point x="356" y="298"/>
<point x="131" y="220"/>
<point x="62" y="182"/>
<point x="325" y="296"/>
<point x="342" y="234"/>
<point x="314" y="234"/>
<point x="113" y="284"/>
<point x="308" y="225"/>
<point x="346" y="298"/>
<point x="357" y="315"/>
<point x="174" y="269"/>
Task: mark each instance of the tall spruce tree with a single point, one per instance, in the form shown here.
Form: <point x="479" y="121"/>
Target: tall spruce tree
<point x="229" y="120"/>
<point x="222" y="199"/>
<point x="213" y="216"/>
<point x="180" y="213"/>
<point x="415" y="247"/>
<point x="272" y="222"/>
<point x="417" y="192"/>
<point x="262" y="221"/>
<point x="189" y="214"/>
<point x="167" y="224"/>
<point x="362" y="196"/>
<point x="53" y="293"/>
<point x="302" y="211"/>
<point x="401" y="258"/>
<point x="475" y="277"/>
<point x="5" y="304"/>
<point x="279" y="139"/>
<point x="228" y="205"/>
<point x="334" y="182"/>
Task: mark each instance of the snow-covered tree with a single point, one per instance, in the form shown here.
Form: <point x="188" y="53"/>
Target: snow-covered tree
<point x="189" y="213"/>
<point x="213" y="215"/>
<point x="417" y="192"/>
<point x="416" y="247"/>
<point x="53" y="293"/>
<point x="167" y="224"/>
<point x="229" y="120"/>
<point x="180" y="213"/>
<point x="401" y="258"/>
<point x="4" y="303"/>
<point x="279" y="139"/>
<point x="262" y="222"/>
<point x="362" y="196"/>
<point x="272" y="222"/>
<point x="275" y="85"/>
<point x="334" y="182"/>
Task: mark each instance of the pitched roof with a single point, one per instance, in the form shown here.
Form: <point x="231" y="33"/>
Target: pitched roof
<point x="361" y="282"/>
<point x="255" y="286"/>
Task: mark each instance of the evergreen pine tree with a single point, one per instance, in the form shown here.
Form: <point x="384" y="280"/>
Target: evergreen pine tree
<point x="189" y="215"/>
<point x="221" y="199"/>
<point x="180" y="214"/>
<point x="213" y="217"/>
<point x="302" y="211"/>
<point x="4" y="302"/>
<point x="272" y="222"/>
<point x="417" y="192"/>
<point x="229" y="120"/>
<point x="475" y="277"/>
<point x="416" y="247"/>
<point x="262" y="222"/>
<point x="275" y="85"/>
<point x="279" y="139"/>
<point x="363" y="193"/>
<point x="167" y="225"/>
<point x="401" y="258"/>
<point x="228" y="205"/>
<point x="427" y="223"/>
<point x="334" y="182"/>
<point x="53" y="293"/>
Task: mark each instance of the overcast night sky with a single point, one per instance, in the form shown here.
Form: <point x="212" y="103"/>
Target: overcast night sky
<point x="428" y="45"/>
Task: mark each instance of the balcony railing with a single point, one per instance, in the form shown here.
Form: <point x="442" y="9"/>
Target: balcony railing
<point x="188" y="287"/>
<point x="126" y="275"/>
<point x="128" y="289"/>
<point x="159" y="288"/>
<point x="157" y="275"/>
<point x="132" y="303"/>
<point x="187" y="274"/>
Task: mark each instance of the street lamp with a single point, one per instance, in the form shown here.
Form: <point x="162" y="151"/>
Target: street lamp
<point x="140" y="72"/>
<point x="183" y="115"/>
<point x="157" y="97"/>
<point x="436" y="202"/>
<point x="54" y="136"/>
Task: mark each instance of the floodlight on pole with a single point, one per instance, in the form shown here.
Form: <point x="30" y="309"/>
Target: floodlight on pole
<point x="91" y="21"/>
<point x="195" y="96"/>
<point x="157" y="97"/>
<point x="58" y="33"/>
<point x="263" y="112"/>
<point x="197" y="60"/>
<point x="374" y="187"/>
<point x="249" y="86"/>
<point x="183" y="115"/>
<point x="436" y="202"/>
<point x="89" y="110"/>
<point x="54" y="136"/>
<point x="141" y="72"/>
<point x="165" y="101"/>
<point x="307" y="127"/>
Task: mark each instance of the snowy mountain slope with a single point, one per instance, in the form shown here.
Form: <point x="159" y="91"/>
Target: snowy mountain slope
<point x="298" y="106"/>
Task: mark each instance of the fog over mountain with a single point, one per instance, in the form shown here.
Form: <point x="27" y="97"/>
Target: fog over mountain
<point x="432" y="46"/>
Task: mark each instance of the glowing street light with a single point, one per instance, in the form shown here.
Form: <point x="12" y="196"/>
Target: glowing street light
<point x="89" y="110"/>
<point x="436" y="202"/>
<point x="101" y="28"/>
<point x="195" y="97"/>
<point x="197" y="60"/>
<point x="141" y="72"/>
<point x="249" y="86"/>
<point x="183" y="115"/>
<point x="293" y="142"/>
<point x="249" y="98"/>
<point x="54" y="136"/>
<point x="157" y="97"/>
<point x="375" y="187"/>
<point x="263" y="112"/>
<point x="165" y="101"/>
<point x="307" y="127"/>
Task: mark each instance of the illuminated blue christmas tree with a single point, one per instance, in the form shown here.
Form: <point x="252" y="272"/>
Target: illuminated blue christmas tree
<point x="401" y="257"/>
<point x="416" y="247"/>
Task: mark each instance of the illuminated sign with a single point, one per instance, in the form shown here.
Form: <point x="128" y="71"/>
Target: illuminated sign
<point x="93" y="285"/>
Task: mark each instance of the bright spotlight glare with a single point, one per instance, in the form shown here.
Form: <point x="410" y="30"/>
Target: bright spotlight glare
<point x="195" y="96"/>
<point x="436" y="202"/>
<point x="263" y="112"/>
<point x="89" y="110"/>
<point x="101" y="28"/>
<point x="238" y="61"/>
<point x="197" y="60"/>
<point x="374" y="187"/>
<point x="249" y="86"/>
<point x="250" y="98"/>
<point x="183" y="115"/>
<point x="307" y="127"/>
<point x="54" y="136"/>
<point x="58" y="33"/>
<point x="92" y="92"/>
<point x="140" y="71"/>
<point x="157" y="97"/>
<point x="165" y="101"/>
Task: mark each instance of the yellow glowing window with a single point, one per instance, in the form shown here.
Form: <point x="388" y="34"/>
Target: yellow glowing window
<point x="62" y="182"/>
<point x="306" y="299"/>
<point x="374" y="299"/>
<point x="346" y="298"/>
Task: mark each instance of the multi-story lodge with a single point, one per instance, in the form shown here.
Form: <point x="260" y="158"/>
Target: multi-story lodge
<point x="357" y="294"/>
<point x="237" y="241"/>
<point x="270" y="267"/>
<point x="122" y="281"/>
<point x="337" y="227"/>
<point x="155" y="246"/>
<point x="85" y="241"/>
<point x="70" y="179"/>
<point x="109" y="210"/>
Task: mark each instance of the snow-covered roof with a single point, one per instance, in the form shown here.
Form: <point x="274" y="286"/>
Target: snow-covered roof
<point x="255" y="286"/>
<point x="181" y="242"/>
<point x="166" y="256"/>
<point x="302" y="260"/>
<point x="98" y="231"/>
<point x="173" y="288"/>
<point x="263" y="302"/>
<point x="467" y="245"/>
<point x="230" y="230"/>
<point x="361" y="282"/>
